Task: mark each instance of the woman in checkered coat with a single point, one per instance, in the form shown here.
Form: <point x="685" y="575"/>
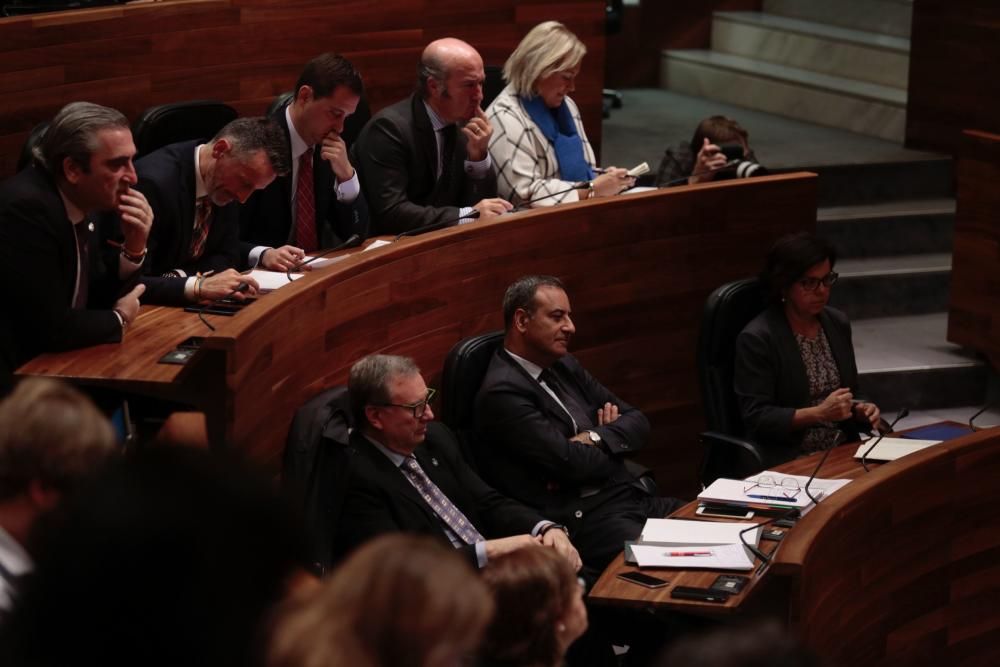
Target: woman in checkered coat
<point x="539" y="147"/>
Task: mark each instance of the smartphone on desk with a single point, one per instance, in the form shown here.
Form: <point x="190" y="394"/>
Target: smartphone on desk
<point x="643" y="579"/>
<point x="724" y="511"/>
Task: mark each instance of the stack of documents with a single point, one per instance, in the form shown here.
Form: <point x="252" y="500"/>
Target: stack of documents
<point x="890" y="449"/>
<point x="695" y="544"/>
<point x="742" y="493"/>
<point x="268" y="281"/>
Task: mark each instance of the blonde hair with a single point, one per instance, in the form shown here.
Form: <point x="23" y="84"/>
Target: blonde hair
<point x="399" y="600"/>
<point x="547" y="48"/>
<point x="50" y="432"/>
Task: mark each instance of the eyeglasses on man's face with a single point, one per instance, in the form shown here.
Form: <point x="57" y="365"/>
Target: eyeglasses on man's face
<point x="811" y="284"/>
<point x="418" y="408"/>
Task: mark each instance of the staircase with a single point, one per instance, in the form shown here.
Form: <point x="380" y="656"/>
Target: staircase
<point x="894" y="268"/>
<point x="840" y="64"/>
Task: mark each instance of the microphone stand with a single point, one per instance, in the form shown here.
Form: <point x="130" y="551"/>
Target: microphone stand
<point x="864" y="463"/>
<point x="352" y="241"/>
<point x="684" y="179"/>
<point x="471" y="215"/>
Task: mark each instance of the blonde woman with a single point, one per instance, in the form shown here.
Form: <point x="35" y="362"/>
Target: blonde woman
<point x="539" y="147"/>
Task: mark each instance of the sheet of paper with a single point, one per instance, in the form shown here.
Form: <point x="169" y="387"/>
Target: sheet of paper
<point x="639" y="189"/>
<point x="268" y="281"/>
<point x="327" y="261"/>
<point x="890" y="449"/>
<point x="719" y="557"/>
<point x="680" y="531"/>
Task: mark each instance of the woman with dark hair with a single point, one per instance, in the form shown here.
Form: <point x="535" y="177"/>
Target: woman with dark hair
<point x="795" y="374"/>
<point x="539" y="609"/>
<point x="703" y="159"/>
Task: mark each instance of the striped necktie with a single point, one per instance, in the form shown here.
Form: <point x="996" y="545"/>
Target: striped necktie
<point x="442" y="506"/>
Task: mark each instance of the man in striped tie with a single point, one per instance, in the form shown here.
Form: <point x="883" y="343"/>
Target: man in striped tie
<point x="195" y="190"/>
<point x="408" y="474"/>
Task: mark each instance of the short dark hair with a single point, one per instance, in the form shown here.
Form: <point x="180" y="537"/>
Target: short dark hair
<point x="521" y="294"/>
<point x="327" y="71"/>
<point x="73" y="134"/>
<point x="718" y="130"/>
<point x="789" y="259"/>
<point x="249" y="135"/>
<point x="368" y="382"/>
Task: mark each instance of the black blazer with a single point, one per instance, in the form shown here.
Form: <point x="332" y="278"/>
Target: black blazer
<point x="523" y="436"/>
<point x="379" y="499"/>
<point x="166" y="178"/>
<point x="266" y="218"/>
<point x="770" y="379"/>
<point x="396" y="155"/>
<point x="38" y="262"/>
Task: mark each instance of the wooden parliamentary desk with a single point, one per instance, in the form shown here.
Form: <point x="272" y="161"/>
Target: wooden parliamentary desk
<point x="900" y="567"/>
<point x="638" y="269"/>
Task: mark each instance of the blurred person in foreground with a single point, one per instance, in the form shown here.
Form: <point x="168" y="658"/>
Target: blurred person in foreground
<point x="171" y="556"/>
<point x="398" y="601"/>
<point x="755" y="644"/>
<point x="539" y="610"/>
<point x="539" y="145"/>
<point x="795" y="374"/>
<point x="51" y="438"/>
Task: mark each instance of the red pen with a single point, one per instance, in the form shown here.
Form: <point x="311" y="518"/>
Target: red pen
<point x="688" y="553"/>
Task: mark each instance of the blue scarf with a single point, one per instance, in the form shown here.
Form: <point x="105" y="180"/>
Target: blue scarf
<point x="558" y="127"/>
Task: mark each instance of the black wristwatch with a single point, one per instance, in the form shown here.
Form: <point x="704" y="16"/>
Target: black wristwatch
<point x="549" y="527"/>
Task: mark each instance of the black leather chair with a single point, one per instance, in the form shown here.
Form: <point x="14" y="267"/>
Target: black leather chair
<point x="493" y="85"/>
<point x="315" y="467"/>
<point x="463" y="372"/>
<point x="352" y="126"/>
<point x="727" y="453"/>
<point x="179" y="121"/>
<point x="34" y="138"/>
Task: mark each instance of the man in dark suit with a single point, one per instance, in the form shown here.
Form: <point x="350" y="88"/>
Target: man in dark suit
<point x="319" y="204"/>
<point x="69" y="286"/>
<point x="553" y="437"/>
<point x="408" y="476"/>
<point x="195" y="191"/>
<point x="418" y="170"/>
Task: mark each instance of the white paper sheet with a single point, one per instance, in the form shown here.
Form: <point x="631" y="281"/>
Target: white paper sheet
<point x="890" y="449"/>
<point x="721" y="557"/>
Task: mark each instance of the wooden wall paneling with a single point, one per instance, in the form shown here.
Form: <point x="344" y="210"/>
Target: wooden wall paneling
<point x="638" y="269"/>
<point x="974" y="303"/>
<point x="244" y="52"/>
<point x="953" y="52"/>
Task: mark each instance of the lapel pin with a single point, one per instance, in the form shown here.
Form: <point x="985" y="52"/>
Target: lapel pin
<point x="90" y="226"/>
<point x="434" y="461"/>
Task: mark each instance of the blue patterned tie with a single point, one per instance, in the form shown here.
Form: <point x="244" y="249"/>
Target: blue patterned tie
<point x="444" y="508"/>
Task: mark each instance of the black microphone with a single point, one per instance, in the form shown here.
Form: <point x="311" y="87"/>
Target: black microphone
<point x="902" y="413"/>
<point x="582" y="185"/>
<point x="471" y="215"/>
<point x="836" y="441"/>
<point x="684" y="179"/>
<point x="981" y="410"/>
<point x="352" y="241"/>
<point x="765" y="559"/>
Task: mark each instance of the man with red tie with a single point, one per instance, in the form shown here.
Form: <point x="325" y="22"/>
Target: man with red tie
<point x="319" y="204"/>
<point x="69" y="286"/>
<point x="195" y="191"/>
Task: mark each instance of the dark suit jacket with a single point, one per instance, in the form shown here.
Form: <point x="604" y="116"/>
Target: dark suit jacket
<point x="770" y="379"/>
<point x="379" y="498"/>
<point x="523" y="435"/>
<point x="396" y="155"/>
<point x="266" y="218"/>
<point x="166" y="178"/>
<point x="38" y="264"/>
